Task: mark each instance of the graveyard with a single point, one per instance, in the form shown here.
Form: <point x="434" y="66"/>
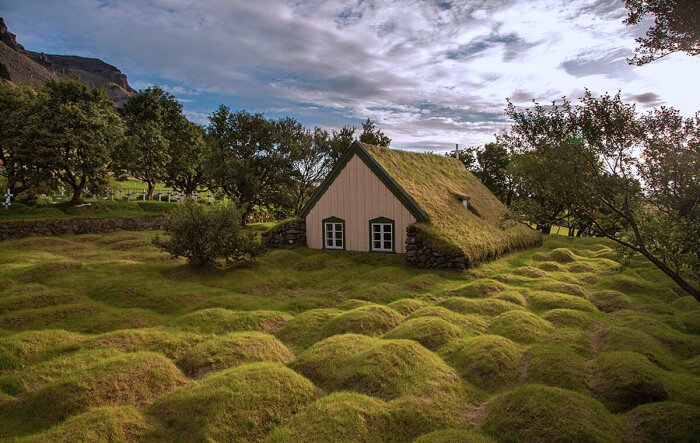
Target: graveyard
<point x="104" y="337"/>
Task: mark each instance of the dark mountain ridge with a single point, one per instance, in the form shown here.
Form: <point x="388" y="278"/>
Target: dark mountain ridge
<point x="34" y="68"/>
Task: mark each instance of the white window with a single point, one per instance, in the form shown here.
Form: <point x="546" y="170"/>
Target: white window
<point x="333" y="235"/>
<point x="383" y="237"/>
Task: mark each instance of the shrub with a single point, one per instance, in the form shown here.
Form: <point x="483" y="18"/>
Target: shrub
<point x="205" y="233"/>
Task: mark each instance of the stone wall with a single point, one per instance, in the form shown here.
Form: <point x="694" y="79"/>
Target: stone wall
<point x="67" y="226"/>
<point x="421" y="254"/>
<point x="286" y="235"/>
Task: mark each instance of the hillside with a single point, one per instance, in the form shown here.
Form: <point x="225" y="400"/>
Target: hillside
<point x="104" y="338"/>
<point x="21" y="66"/>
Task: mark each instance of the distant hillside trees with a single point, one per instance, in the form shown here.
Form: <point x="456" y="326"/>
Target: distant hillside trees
<point x="373" y="135"/>
<point x="584" y="158"/>
<point x="490" y="164"/>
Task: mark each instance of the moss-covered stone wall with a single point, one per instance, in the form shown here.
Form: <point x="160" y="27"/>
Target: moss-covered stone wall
<point x="67" y="226"/>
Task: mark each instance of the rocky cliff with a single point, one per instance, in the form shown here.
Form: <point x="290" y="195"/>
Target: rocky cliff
<point x="21" y="66"/>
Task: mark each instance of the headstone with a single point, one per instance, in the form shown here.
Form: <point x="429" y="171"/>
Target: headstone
<point x="144" y="194"/>
<point x="8" y="195"/>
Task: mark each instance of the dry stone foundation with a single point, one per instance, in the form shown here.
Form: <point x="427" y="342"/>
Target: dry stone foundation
<point x="287" y="235"/>
<point x="421" y="254"/>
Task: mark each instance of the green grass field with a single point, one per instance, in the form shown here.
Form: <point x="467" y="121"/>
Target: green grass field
<point x="103" y="338"/>
<point x="96" y="208"/>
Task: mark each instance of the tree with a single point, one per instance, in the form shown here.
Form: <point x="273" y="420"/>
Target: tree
<point x="74" y="130"/>
<point x="467" y="157"/>
<point x="586" y="156"/>
<point x="341" y="141"/>
<point x="676" y="28"/>
<point x="18" y="168"/>
<point x="152" y="118"/>
<point x="313" y="160"/>
<point x="247" y="161"/>
<point x="204" y="234"/>
<point x="186" y="152"/>
<point x="493" y="170"/>
<point x="373" y="135"/>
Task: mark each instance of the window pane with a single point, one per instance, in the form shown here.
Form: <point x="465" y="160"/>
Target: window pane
<point x="338" y="234"/>
<point x="338" y="226"/>
<point x="387" y="245"/>
<point x="338" y="243"/>
<point x="376" y="245"/>
<point x="387" y="236"/>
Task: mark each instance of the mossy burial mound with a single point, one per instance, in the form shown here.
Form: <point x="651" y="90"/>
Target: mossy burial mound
<point x="521" y="326"/>
<point x="562" y="255"/>
<point x="630" y="339"/>
<point x="220" y="320"/>
<point x="623" y="380"/>
<point x="564" y="288"/>
<point x="25" y="348"/>
<point x="372" y="366"/>
<point x="306" y="328"/>
<point x="487" y="306"/>
<point x="544" y="301"/>
<point x="544" y="413"/>
<point x="406" y="306"/>
<point x="453" y="436"/>
<point x="353" y="304"/>
<point x="569" y="318"/>
<point x="548" y="266"/>
<point x="36" y="300"/>
<point x="109" y="423"/>
<point x="471" y="323"/>
<point x="232" y="350"/>
<point x="531" y="272"/>
<point x="488" y="361"/>
<point x="610" y="301"/>
<point x="368" y="320"/>
<point x="479" y="289"/>
<point x="338" y="417"/>
<point x="129" y="379"/>
<point x="555" y="365"/>
<point x="240" y="404"/>
<point x="170" y="342"/>
<point x="431" y="332"/>
<point x="663" y="422"/>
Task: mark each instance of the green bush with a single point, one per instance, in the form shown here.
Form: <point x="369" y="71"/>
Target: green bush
<point x="205" y="233"/>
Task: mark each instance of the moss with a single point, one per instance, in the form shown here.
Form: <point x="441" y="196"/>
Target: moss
<point x="628" y="339"/>
<point x="406" y="306"/>
<point x="564" y="288"/>
<point x="39" y="299"/>
<point x="562" y="255"/>
<point x="682" y="345"/>
<point x="488" y="361"/>
<point x="382" y="368"/>
<point x="470" y="323"/>
<point x="368" y="320"/>
<point x="623" y="380"/>
<point x="543" y="413"/>
<point x="431" y="332"/>
<point x="531" y="272"/>
<point x="352" y="304"/>
<point x="338" y="417"/>
<point x="219" y="320"/>
<point x="543" y="300"/>
<point x="130" y="379"/>
<point x="688" y="322"/>
<point x="549" y="266"/>
<point x="488" y="307"/>
<point x="521" y="326"/>
<point x="555" y="365"/>
<point x="480" y="289"/>
<point x="581" y="267"/>
<point x="306" y="328"/>
<point x="170" y="342"/>
<point x="663" y="422"/>
<point x="29" y="347"/>
<point x="453" y="436"/>
<point x="240" y="404"/>
<point x="686" y="304"/>
<point x="568" y="317"/>
<point x="610" y="301"/>
<point x="109" y="423"/>
<point x="512" y="297"/>
<point x="230" y="350"/>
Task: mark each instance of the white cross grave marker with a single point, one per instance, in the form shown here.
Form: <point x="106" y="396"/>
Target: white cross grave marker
<point x="7" y="203"/>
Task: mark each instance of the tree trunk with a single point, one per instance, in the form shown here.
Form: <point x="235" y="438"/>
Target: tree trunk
<point x="149" y="194"/>
<point x="77" y="194"/>
<point x="675" y="277"/>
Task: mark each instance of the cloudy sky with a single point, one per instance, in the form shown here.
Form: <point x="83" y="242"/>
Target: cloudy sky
<point x="432" y="73"/>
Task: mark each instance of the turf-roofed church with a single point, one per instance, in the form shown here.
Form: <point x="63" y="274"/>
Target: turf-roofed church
<point x="426" y="206"/>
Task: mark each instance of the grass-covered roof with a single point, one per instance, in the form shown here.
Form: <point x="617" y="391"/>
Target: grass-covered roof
<point x="438" y="184"/>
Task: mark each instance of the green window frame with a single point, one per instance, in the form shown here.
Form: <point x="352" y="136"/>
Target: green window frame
<point x="333" y="233"/>
<point x="382" y="235"/>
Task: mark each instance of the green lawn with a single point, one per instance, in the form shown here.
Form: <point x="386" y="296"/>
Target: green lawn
<point x="96" y="208"/>
<point x="104" y="338"/>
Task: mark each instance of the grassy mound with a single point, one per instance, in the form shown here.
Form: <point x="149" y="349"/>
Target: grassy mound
<point x="630" y="339"/>
<point x="239" y="404"/>
<point x="568" y="317"/>
<point x="231" y="350"/>
<point x="431" y="332"/>
<point x="512" y="297"/>
<point x="555" y="365"/>
<point x="610" y="301"/>
<point x="531" y="272"/>
<point x="488" y="306"/>
<point x="39" y="299"/>
<point x="170" y="342"/>
<point x="562" y="255"/>
<point x="368" y="320"/>
<point x="549" y="266"/>
<point x="488" y="361"/>
<point x="306" y="328"/>
<point x="544" y="301"/>
<point x="565" y="288"/>
<point x="406" y="306"/>
<point x="623" y="380"/>
<point x="219" y="320"/>
<point x="378" y="367"/>
<point x="109" y="423"/>
<point x="521" y="326"/>
<point x="130" y="379"/>
<point x="353" y="304"/>
<point x="29" y="347"/>
<point x="687" y="303"/>
<point x="471" y="323"/>
<point x="543" y="413"/>
<point x="453" y="436"/>
<point x="338" y="417"/>
<point x="663" y="422"/>
<point x="480" y="289"/>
